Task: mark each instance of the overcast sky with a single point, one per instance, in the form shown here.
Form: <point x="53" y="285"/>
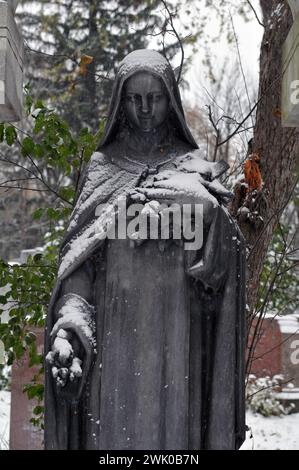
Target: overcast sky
<point x="249" y="36"/>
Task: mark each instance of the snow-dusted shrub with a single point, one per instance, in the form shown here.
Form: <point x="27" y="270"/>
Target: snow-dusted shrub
<point x="5" y="377"/>
<point x="261" y="396"/>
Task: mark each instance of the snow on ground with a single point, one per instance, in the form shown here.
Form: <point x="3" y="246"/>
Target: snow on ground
<point x="274" y="433"/>
<point x="4" y="419"/>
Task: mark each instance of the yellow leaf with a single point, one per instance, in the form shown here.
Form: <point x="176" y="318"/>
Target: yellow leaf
<point x="84" y="62"/>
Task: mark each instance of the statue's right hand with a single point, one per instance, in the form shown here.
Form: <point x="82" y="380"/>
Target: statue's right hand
<point x="64" y="358"/>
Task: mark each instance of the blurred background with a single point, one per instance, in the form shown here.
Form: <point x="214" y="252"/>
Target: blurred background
<point x="71" y="53"/>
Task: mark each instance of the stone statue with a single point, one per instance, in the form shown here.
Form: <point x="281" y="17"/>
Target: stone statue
<point x="145" y="339"/>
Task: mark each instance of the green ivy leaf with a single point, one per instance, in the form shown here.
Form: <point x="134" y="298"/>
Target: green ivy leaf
<point x="27" y="146"/>
<point x="38" y="410"/>
<point x="28" y="104"/>
<point x="38" y="213"/>
<point x="1" y="132"/>
<point x="10" y="135"/>
<point x="53" y="214"/>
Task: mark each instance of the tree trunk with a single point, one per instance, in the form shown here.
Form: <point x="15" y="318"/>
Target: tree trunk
<point x="277" y="147"/>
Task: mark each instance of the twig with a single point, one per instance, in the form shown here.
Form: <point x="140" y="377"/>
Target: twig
<point x="240" y="63"/>
<point x="279" y="76"/>
<point x="275" y="214"/>
<point x="262" y="311"/>
<point x="241" y="123"/>
<point x="2" y="183"/>
<point x="41" y="179"/>
<point x="255" y="13"/>
<point x="217" y="130"/>
<point x="277" y="346"/>
<point x="25" y="189"/>
<point x="67" y="57"/>
<point x="267" y="388"/>
<point x="178" y="38"/>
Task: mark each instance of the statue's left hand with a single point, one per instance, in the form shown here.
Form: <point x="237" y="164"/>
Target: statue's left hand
<point x="64" y="358"/>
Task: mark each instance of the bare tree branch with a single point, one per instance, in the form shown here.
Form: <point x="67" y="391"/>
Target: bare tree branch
<point x="255" y="13"/>
<point x="170" y="15"/>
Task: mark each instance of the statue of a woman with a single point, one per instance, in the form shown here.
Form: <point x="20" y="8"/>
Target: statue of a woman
<point x="145" y="341"/>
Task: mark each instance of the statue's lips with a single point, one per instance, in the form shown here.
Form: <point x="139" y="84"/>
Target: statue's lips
<point x="145" y="119"/>
<point x="145" y="122"/>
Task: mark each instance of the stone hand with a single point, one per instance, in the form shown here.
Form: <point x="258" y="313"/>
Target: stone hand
<point x="63" y="358"/>
<point x="178" y="191"/>
<point x="177" y="186"/>
<point x="162" y="195"/>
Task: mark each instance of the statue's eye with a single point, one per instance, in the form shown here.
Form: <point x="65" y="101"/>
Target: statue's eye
<point x="154" y="97"/>
<point x="133" y="98"/>
<point x="130" y="98"/>
<point x="157" y="97"/>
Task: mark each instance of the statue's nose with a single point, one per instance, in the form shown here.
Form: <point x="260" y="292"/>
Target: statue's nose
<point x="145" y="105"/>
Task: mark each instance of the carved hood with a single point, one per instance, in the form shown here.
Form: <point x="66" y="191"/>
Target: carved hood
<point x="153" y="62"/>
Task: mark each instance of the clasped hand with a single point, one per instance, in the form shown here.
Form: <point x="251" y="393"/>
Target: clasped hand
<point x="63" y="358"/>
<point x="172" y="187"/>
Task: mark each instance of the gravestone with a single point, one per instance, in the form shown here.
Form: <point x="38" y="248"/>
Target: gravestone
<point x="277" y="353"/>
<point x="11" y="64"/>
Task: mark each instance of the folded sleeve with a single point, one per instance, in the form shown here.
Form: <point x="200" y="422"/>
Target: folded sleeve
<point x="74" y="310"/>
<point x="212" y="266"/>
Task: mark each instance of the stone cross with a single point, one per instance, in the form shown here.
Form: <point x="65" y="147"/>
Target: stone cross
<point x="290" y="70"/>
<point x="11" y="64"/>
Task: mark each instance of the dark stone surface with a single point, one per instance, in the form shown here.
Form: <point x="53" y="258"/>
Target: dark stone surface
<point x="160" y="330"/>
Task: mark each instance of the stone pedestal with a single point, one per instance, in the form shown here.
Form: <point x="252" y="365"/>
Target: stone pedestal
<point x="277" y="353"/>
<point x="267" y="355"/>
<point x="11" y="64"/>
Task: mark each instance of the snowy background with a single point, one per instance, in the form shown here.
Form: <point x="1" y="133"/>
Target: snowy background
<point x="274" y="433"/>
<point x="271" y="433"/>
<point x="4" y="419"/>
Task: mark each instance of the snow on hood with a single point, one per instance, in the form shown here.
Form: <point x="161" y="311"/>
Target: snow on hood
<point x="153" y="62"/>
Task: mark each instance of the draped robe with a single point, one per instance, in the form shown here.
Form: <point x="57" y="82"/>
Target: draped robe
<point x="163" y="330"/>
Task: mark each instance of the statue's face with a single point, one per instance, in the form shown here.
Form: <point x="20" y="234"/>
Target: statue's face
<point x="146" y="103"/>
